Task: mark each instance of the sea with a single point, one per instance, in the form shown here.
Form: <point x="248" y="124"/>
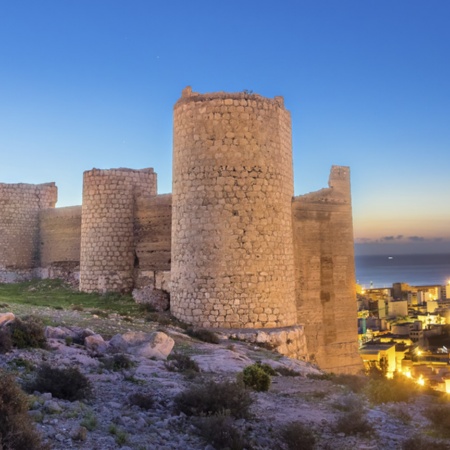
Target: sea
<point x="417" y="270"/>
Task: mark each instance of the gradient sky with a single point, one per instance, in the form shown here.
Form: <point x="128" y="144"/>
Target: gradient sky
<point x="92" y="83"/>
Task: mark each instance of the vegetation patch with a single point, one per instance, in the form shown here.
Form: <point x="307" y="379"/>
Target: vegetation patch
<point x="298" y="436"/>
<point x="383" y="390"/>
<point x="212" y="398"/>
<point x="68" y="384"/>
<point x="256" y="377"/>
<point x="178" y="362"/>
<point x="220" y="431"/>
<point x="55" y="293"/>
<point x="204" y="335"/>
<point x="117" y="362"/>
<point x="439" y="416"/>
<point x="16" y="427"/>
<point x="142" y="400"/>
<point x="27" y="332"/>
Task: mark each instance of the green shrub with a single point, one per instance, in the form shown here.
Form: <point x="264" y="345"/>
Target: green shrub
<point x="204" y="335"/>
<point x="219" y="431"/>
<point x="27" y="333"/>
<point x="68" y="384"/>
<point x="16" y="427"/>
<point x="439" y="416"/>
<point x="5" y="340"/>
<point x="89" y="422"/>
<point x="267" y="368"/>
<point x="142" y="400"/>
<point x="177" y="362"/>
<point x="256" y="377"/>
<point x="297" y="436"/>
<point x="212" y="398"/>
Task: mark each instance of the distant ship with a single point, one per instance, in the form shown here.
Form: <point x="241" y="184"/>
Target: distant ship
<point x="390" y="257"/>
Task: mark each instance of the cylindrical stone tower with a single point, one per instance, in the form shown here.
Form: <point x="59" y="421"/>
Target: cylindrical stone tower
<point x="232" y="244"/>
<point x="108" y="254"/>
<point x="19" y="222"/>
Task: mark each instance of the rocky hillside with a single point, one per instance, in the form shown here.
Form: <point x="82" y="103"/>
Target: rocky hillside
<point x="153" y="386"/>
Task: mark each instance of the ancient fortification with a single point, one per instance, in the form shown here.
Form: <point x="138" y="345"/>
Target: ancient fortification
<point x="232" y="245"/>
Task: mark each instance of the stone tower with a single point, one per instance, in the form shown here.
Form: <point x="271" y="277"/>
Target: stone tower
<point x="325" y="273"/>
<point x="232" y="241"/>
<point x="19" y="222"/>
<point x="108" y="255"/>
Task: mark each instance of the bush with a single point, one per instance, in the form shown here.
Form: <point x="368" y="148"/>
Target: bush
<point x="177" y="362"/>
<point x="356" y="383"/>
<point x="219" y="431"/>
<point x="142" y="400"/>
<point x="349" y="402"/>
<point x="16" y="428"/>
<point x="383" y="390"/>
<point x="27" y="333"/>
<point x="5" y="340"/>
<point x="68" y="384"/>
<point x="117" y="362"/>
<point x="353" y="422"/>
<point x="204" y="335"/>
<point x="439" y="416"/>
<point x="213" y="398"/>
<point x="256" y="377"/>
<point x="298" y="436"/>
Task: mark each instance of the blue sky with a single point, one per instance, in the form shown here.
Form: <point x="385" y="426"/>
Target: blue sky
<point x="92" y="83"/>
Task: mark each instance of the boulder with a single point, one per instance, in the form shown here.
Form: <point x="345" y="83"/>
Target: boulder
<point x="155" y="345"/>
<point x="95" y="344"/>
<point x="158" y="346"/>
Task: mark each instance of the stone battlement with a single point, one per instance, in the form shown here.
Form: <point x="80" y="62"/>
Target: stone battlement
<point x="234" y="247"/>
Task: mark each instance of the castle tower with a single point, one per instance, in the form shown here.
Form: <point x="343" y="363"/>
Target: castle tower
<point x="232" y="244"/>
<point x="19" y="222"/>
<point x="107" y="227"/>
<point x="325" y="274"/>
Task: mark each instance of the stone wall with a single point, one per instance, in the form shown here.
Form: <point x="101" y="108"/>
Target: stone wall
<point x="108" y="253"/>
<point x="232" y="249"/>
<point x="325" y="273"/>
<point x="153" y="221"/>
<point x="60" y="236"/>
<point x="19" y="222"/>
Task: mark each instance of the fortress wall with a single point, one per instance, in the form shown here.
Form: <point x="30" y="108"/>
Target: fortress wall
<point x="60" y="235"/>
<point x="107" y="227"/>
<point x="325" y="273"/>
<point x="19" y="222"/>
<point x="232" y="249"/>
<point x="153" y="221"/>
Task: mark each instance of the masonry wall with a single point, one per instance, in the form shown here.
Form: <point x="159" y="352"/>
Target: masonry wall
<point x="325" y="273"/>
<point x="19" y="222"/>
<point x="232" y="249"/>
<point x="60" y="235"/>
<point x="107" y="227"/>
<point x="153" y="221"/>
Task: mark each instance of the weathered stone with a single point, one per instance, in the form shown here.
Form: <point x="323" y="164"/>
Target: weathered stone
<point x="6" y="318"/>
<point x="95" y="344"/>
<point x="156" y="298"/>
